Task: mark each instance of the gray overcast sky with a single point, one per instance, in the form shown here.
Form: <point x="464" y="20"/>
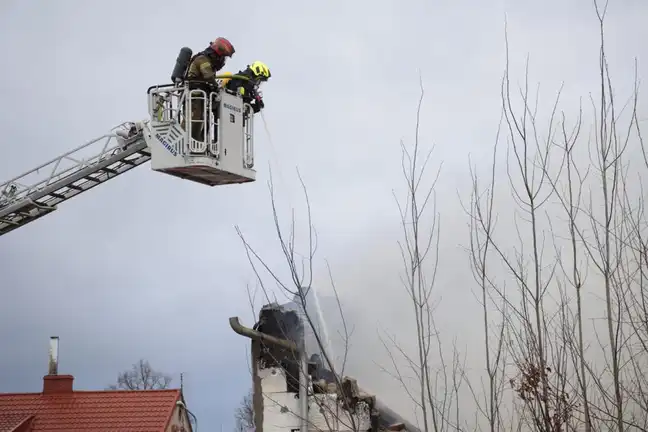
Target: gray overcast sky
<point x="151" y="266"/>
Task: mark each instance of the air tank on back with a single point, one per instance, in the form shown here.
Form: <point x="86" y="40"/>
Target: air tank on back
<point x="182" y="62"/>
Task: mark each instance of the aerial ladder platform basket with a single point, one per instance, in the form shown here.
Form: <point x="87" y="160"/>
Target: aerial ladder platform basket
<point x="212" y="143"/>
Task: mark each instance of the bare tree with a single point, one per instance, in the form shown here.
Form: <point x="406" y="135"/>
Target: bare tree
<point x="341" y="411"/>
<point x="560" y="384"/>
<point x="605" y="229"/>
<point x="602" y="249"/>
<point x="530" y="178"/>
<point x="524" y="311"/>
<point x="438" y="374"/>
<point x="482" y="224"/>
<point x="244" y="415"/>
<point x="141" y="377"/>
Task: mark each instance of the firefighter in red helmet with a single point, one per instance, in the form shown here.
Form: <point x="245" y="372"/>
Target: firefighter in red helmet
<point x="202" y="72"/>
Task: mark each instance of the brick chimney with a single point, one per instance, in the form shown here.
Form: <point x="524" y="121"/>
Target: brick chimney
<point x="57" y="384"/>
<point x="53" y="383"/>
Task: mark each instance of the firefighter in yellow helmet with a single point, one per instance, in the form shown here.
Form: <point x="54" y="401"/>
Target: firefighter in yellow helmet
<point x="257" y="73"/>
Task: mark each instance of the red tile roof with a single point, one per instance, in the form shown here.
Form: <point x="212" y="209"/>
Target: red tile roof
<point x="112" y="410"/>
<point x="12" y="422"/>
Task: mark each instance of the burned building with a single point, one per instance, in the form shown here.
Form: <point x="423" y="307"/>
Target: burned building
<point x="295" y="384"/>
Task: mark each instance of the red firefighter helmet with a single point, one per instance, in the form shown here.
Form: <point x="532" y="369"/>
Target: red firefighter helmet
<point x="222" y="47"/>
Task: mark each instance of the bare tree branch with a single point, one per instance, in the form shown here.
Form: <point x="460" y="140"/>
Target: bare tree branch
<point x="141" y="377"/>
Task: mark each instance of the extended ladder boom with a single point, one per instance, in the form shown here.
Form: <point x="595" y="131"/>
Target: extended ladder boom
<point x="38" y="192"/>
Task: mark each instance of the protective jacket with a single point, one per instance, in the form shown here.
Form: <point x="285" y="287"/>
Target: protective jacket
<point x="204" y="65"/>
<point x="246" y="88"/>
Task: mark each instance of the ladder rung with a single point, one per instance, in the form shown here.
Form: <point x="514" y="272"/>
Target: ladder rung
<point x="38" y="205"/>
